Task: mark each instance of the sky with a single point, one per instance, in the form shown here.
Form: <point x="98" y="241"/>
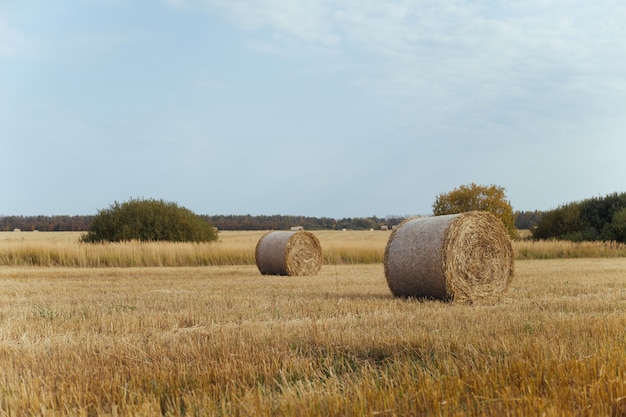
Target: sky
<point x="325" y="108"/>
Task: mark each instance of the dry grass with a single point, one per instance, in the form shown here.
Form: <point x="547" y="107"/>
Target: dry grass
<point x="64" y="249"/>
<point x="233" y="248"/>
<point x="228" y="341"/>
<point x="237" y="248"/>
<point x="558" y="249"/>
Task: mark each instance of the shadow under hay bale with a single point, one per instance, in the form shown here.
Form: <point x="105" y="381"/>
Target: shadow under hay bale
<point x="465" y="258"/>
<point x="289" y="253"/>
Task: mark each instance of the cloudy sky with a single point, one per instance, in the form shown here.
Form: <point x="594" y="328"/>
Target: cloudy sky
<point x="336" y="108"/>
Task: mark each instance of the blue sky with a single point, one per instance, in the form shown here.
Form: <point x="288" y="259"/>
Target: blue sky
<point x="308" y="107"/>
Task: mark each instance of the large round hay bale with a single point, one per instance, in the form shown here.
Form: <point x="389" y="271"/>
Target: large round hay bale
<point x="289" y="253"/>
<point x="465" y="257"/>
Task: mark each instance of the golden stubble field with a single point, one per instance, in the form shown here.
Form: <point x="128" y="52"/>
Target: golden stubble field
<point x="225" y="340"/>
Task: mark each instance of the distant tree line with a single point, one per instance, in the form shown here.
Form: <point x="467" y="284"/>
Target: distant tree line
<point x="523" y="220"/>
<point x="46" y="223"/>
<point x="282" y="222"/>
<point x="527" y="220"/>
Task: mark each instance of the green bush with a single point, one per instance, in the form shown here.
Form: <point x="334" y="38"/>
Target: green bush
<point x="616" y="230"/>
<point x="563" y="222"/>
<point x="149" y="220"/>
<point x="597" y="212"/>
<point x="598" y="218"/>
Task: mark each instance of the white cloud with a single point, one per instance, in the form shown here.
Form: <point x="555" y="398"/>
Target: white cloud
<point x="306" y="20"/>
<point x="177" y="3"/>
<point x="410" y="44"/>
<point x="11" y="40"/>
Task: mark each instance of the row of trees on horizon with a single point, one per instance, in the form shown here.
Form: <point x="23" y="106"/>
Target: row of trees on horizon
<point x="65" y="223"/>
<point x="596" y="218"/>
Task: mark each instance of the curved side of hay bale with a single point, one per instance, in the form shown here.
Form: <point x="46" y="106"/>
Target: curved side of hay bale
<point x="270" y="253"/>
<point x="414" y="255"/>
<point x="464" y="257"/>
<point x="288" y="253"/>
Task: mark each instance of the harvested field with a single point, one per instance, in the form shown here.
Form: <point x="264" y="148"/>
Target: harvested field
<point x="230" y="341"/>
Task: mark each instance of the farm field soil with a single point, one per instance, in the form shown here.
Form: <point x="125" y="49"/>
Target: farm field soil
<point x="229" y="341"/>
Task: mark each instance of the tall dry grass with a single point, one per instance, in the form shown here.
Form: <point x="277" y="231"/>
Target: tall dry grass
<point x="66" y="250"/>
<point x="237" y="248"/>
<point x="559" y="249"/>
<point x="217" y="341"/>
<point x="233" y="248"/>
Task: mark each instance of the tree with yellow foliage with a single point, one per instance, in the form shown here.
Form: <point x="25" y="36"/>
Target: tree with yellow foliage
<point x="477" y="197"/>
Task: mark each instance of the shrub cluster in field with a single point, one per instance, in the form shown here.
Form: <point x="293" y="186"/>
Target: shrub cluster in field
<point x="598" y="218"/>
<point x="149" y="220"/>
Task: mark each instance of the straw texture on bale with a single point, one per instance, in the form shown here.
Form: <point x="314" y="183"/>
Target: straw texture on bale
<point x="465" y="258"/>
<point x="289" y="253"/>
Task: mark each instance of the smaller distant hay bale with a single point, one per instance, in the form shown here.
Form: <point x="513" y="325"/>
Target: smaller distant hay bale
<point x="465" y="258"/>
<point x="293" y="253"/>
